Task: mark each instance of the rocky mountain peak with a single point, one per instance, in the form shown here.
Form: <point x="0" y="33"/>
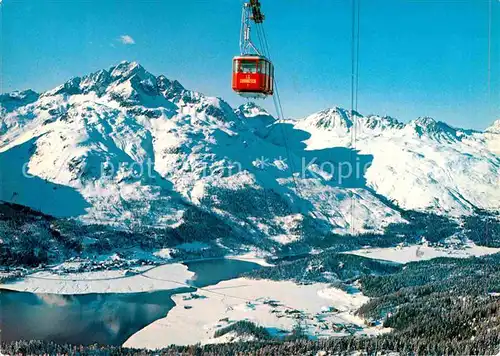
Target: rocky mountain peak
<point x="494" y="128"/>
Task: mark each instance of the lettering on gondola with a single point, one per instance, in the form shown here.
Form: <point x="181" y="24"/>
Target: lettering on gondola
<point x="248" y="81"/>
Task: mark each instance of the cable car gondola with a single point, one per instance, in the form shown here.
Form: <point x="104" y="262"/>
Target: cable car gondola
<point x="253" y="73"/>
<point x="253" y="76"/>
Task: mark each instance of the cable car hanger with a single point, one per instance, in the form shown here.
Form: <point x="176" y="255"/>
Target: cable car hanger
<point x="251" y="12"/>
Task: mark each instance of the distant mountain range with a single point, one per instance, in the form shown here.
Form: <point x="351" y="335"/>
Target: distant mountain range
<point x="124" y="147"/>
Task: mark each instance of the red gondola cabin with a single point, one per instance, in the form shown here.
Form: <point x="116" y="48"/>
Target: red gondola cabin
<point x="253" y="76"/>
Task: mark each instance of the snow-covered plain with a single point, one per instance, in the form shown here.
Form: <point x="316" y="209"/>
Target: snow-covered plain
<point x="141" y="279"/>
<point x="405" y="254"/>
<point x="271" y="304"/>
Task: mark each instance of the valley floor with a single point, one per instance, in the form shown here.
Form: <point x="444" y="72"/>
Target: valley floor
<point x="140" y="279"/>
<point x="414" y="253"/>
<point x="147" y="278"/>
<point x="278" y="306"/>
<point x="316" y="309"/>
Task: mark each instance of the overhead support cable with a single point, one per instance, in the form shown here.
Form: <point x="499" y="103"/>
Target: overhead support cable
<point x="355" y="39"/>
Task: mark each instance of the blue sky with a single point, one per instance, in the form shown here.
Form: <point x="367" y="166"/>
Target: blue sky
<point x="417" y="58"/>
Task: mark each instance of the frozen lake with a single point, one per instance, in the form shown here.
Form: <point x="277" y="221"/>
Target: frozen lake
<point x="105" y="318"/>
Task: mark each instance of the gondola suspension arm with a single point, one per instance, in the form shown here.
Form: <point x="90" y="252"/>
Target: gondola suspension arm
<point x="251" y="12"/>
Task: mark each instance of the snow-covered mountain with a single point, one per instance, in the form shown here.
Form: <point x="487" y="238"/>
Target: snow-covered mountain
<point x="492" y="135"/>
<point x="424" y="164"/>
<point x="124" y="147"/>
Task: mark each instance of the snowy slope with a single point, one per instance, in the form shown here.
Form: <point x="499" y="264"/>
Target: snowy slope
<point x="124" y="147"/>
<point x="424" y="164"/>
<point x="492" y="135"/>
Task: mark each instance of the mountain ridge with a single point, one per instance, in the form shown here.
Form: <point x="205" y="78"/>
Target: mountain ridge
<point x="125" y="70"/>
<point x="137" y="148"/>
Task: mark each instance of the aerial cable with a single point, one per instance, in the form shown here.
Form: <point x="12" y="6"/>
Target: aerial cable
<point x="266" y="44"/>
<point x="490" y="22"/>
<point x="261" y="40"/>
<point x="280" y="114"/>
<point x="274" y="90"/>
<point x="353" y="2"/>
<point x="357" y="58"/>
<point x="355" y="35"/>
<point x="279" y="110"/>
